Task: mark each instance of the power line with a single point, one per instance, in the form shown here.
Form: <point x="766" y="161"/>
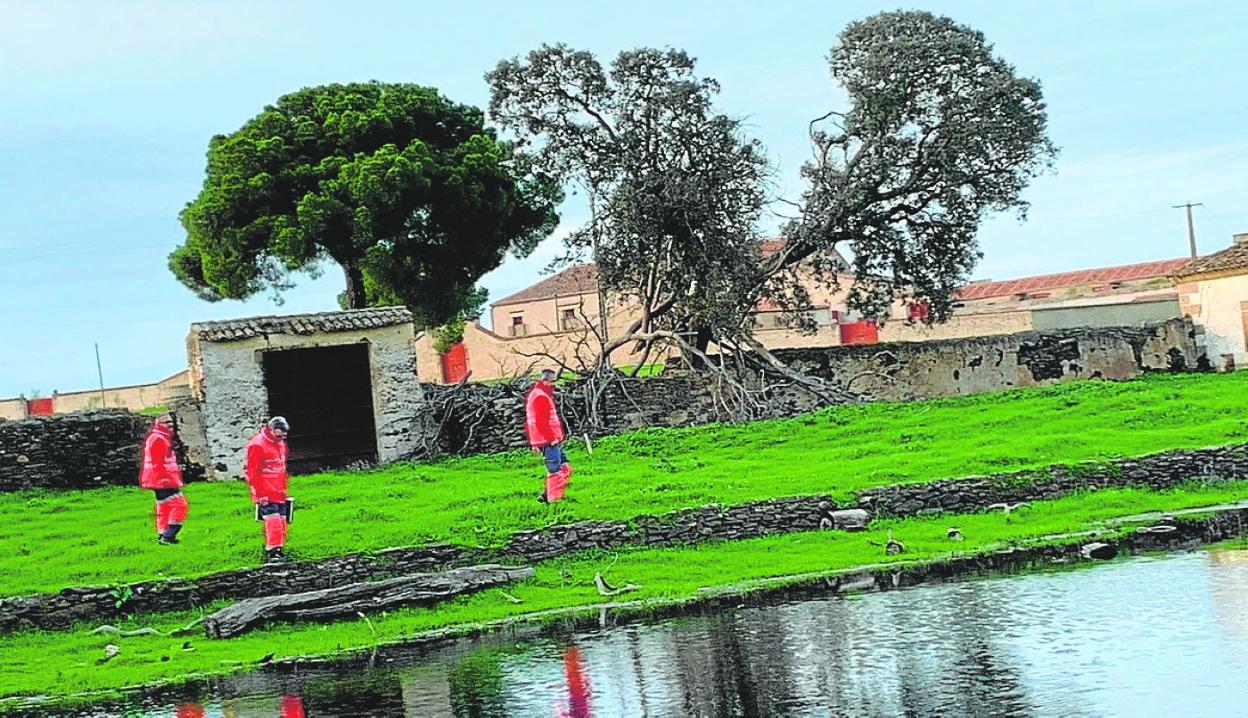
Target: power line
<point x="1077" y="218"/>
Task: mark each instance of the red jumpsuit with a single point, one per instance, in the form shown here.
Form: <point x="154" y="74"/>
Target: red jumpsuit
<point x="161" y="474"/>
<point x="266" y="476"/>
<point x="545" y="433"/>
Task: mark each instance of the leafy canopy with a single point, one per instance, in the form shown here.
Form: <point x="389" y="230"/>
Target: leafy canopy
<point x="407" y="191"/>
<point x="939" y="132"/>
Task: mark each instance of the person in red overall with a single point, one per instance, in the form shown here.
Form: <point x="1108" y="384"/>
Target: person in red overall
<point x="161" y="474"/>
<point x="266" y="476"/>
<point x="545" y="433"/>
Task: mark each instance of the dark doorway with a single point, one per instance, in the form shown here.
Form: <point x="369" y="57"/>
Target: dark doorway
<point x="326" y="394"/>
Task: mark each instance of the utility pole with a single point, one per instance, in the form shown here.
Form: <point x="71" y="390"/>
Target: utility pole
<point x="100" y="370"/>
<point x="1191" y="231"/>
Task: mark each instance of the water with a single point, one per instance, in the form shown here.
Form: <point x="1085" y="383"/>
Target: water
<point x="1165" y="636"/>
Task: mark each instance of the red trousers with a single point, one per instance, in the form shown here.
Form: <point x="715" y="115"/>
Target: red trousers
<point x="170" y="510"/>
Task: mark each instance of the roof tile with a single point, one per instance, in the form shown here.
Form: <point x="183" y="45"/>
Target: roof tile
<point x="577" y="279"/>
<point x="350" y="320"/>
<point x="1123" y="273"/>
<point x="1231" y="258"/>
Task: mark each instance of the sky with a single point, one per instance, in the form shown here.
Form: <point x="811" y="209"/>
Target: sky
<point x="106" y="110"/>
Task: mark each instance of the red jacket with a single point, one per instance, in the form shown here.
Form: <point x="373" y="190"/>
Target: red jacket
<point x="160" y="464"/>
<point x="266" y="467"/>
<point x="541" y="421"/>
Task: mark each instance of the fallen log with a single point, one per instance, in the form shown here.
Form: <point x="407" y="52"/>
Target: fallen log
<point x="343" y="601"/>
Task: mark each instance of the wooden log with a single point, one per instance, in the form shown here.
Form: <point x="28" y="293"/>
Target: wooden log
<point x="346" y="601"/>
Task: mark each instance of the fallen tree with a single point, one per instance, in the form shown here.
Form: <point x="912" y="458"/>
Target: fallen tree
<point x="347" y="601"/>
<point x="938" y="133"/>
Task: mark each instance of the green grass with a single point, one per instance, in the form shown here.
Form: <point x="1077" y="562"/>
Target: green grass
<point x="646" y="370"/>
<point x="61" y="663"/>
<point x="105" y="536"/>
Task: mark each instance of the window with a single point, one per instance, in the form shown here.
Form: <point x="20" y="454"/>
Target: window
<point x="518" y="329"/>
<point x="568" y="319"/>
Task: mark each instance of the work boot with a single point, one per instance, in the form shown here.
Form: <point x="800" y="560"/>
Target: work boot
<point x="542" y="499"/>
<point x="164" y="540"/>
<point x="275" y="555"/>
<point x="170" y="536"/>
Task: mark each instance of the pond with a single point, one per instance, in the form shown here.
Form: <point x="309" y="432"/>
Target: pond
<point x="1164" y="635"/>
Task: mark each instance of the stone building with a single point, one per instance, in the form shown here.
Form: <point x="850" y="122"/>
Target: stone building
<point x="1213" y="291"/>
<point x="346" y="381"/>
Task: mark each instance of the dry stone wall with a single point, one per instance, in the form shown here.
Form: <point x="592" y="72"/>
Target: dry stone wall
<point x="1156" y="471"/>
<point x="78" y="451"/>
<point x="954" y="367"/>
<point x="98" y="448"/>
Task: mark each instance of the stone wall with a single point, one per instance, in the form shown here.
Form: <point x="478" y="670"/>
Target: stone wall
<point x="1155" y="471"/>
<point x="72" y="451"/>
<point x="953" y="367"/>
<point x="78" y="451"/>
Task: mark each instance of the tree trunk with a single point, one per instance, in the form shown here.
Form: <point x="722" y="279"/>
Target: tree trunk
<point x="346" y="601"/>
<point x="355" y="297"/>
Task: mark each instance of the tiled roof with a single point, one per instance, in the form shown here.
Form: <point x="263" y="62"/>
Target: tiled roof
<point x="583" y="279"/>
<point x="346" y="321"/>
<point x="1105" y="275"/>
<point x="1232" y="258"/>
<point x="577" y="279"/>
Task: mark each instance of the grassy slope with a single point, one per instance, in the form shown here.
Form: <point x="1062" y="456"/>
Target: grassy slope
<point x="480" y="500"/>
<point x="62" y="663"/>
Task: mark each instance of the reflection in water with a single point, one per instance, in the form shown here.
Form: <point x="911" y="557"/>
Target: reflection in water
<point x="1148" y="636"/>
<point x="287" y="707"/>
<point x="1228" y="589"/>
<point x="578" y="687"/>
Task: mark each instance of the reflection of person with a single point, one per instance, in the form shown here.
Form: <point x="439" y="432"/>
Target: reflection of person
<point x="266" y="475"/>
<point x="292" y="707"/>
<point x="189" y="710"/>
<point x="545" y="433"/>
<point x="578" y="686"/>
<point x="161" y="474"/>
